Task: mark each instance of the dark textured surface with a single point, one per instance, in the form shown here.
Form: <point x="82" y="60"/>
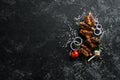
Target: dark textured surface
<point x="33" y="34"/>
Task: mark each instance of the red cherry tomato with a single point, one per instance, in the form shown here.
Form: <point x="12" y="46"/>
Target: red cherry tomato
<point x="74" y="54"/>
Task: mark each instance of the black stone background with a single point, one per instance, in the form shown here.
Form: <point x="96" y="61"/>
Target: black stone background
<point x="34" y="34"/>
